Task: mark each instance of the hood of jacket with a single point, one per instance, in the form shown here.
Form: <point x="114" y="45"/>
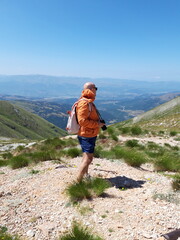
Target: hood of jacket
<point x="87" y="93"/>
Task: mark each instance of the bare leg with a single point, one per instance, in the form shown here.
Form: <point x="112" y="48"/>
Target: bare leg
<point x="86" y="160"/>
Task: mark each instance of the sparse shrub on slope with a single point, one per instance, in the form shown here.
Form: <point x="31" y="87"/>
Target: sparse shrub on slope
<point x="125" y="130"/>
<point x="136" y="130"/>
<point x="79" y="233"/>
<point x="132" y="143"/>
<point x="132" y="158"/>
<point x="18" y="162"/>
<point x="73" y="152"/>
<point x="168" y="162"/>
<point x="173" y="133"/>
<point x="176" y="182"/>
<point x="3" y="163"/>
<point x="87" y="189"/>
<point x="6" y="236"/>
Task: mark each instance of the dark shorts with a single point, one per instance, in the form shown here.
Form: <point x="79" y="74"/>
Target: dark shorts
<point x="87" y="144"/>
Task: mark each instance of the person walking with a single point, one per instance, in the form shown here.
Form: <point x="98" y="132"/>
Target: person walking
<point x="89" y="121"/>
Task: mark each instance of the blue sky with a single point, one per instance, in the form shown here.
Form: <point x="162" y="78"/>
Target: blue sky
<point x="127" y="39"/>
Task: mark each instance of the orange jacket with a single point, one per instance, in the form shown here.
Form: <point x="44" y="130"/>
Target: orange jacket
<point x="88" y="120"/>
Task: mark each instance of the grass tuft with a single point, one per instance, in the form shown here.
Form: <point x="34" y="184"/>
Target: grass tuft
<point x="176" y="182"/>
<point x="79" y="232"/>
<point x="6" y="236"/>
<point x="87" y="189"/>
<point x="18" y="162"/>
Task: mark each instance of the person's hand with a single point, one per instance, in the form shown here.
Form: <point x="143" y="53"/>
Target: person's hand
<point x="101" y="124"/>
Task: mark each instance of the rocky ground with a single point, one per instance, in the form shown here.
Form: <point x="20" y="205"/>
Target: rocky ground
<point x="140" y="204"/>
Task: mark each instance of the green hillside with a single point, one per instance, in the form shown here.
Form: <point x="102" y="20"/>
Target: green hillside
<point x="15" y="122"/>
<point x="164" y="117"/>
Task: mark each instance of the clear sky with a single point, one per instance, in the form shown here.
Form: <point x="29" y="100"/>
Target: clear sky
<point x="129" y="39"/>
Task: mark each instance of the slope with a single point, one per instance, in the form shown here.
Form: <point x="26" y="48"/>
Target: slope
<point x="18" y="123"/>
<point x="165" y="117"/>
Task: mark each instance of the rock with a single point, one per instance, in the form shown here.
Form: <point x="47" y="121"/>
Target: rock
<point x="30" y="233"/>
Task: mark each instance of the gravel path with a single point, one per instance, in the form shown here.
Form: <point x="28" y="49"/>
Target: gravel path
<point x="35" y="205"/>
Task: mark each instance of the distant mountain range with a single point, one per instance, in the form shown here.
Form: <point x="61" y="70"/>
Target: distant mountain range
<point x="15" y="122"/>
<point x="54" y="110"/>
<point x="40" y="86"/>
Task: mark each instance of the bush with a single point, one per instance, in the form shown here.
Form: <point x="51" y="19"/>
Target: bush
<point x="18" y="162"/>
<point x="161" y="132"/>
<point x="176" y="182"/>
<point x="42" y="156"/>
<point x="153" y="146"/>
<point x="3" y="163"/>
<point x="73" y="152"/>
<point x="132" y="143"/>
<point x="102" y="136"/>
<point x="136" y="130"/>
<point x="79" y="233"/>
<point x="87" y="189"/>
<point x="125" y="130"/>
<point x="114" y="137"/>
<point x="110" y="130"/>
<point x="167" y="162"/>
<point x="173" y="133"/>
<point x="5" y="236"/>
<point x="132" y="158"/>
<point x="7" y="155"/>
<point x="55" y="143"/>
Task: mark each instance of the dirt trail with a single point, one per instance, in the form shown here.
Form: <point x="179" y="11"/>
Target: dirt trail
<point x="36" y="207"/>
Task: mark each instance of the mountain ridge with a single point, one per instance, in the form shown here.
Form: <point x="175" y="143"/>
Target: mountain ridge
<point x="15" y="122"/>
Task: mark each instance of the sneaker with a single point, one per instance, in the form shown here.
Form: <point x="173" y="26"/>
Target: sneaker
<point x="88" y="177"/>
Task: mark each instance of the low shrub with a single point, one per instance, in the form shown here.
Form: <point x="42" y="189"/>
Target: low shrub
<point x="125" y="130"/>
<point x="78" y="191"/>
<point x="79" y="233"/>
<point x="3" y="163"/>
<point x="110" y="130"/>
<point x="73" y="152"/>
<point x="102" y="136"/>
<point x="131" y="143"/>
<point x="136" y="130"/>
<point x="167" y="162"/>
<point x="132" y="158"/>
<point x="55" y="143"/>
<point x="18" y="162"/>
<point x="114" y="137"/>
<point x="7" y="155"/>
<point x="153" y="146"/>
<point x="98" y="186"/>
<point x="87" y="189"/>
<point x="42" y="156"/>
<point x="6" y="236"/>
<point x="161" y="132"/>
<point x="173" y="133"/>
<point x="176" y="182"/>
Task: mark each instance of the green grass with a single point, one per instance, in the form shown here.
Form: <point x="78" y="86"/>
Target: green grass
<point x="133" y="158"/>
<point x="15" y="122"/>
<point x="18" y="162"/>
<point x="168" y="162"/>
<point x="86" y="189"/>
<point x="132" y="143"/>
<point x="173" y="133"/>
<point x="3" y="163"/>
<point x="176" y="182"/>
<point x="79" y="232"/>
<point x="136" y="130"/>
<point x="73" y="152"/>
<point x="6" y="236"/>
